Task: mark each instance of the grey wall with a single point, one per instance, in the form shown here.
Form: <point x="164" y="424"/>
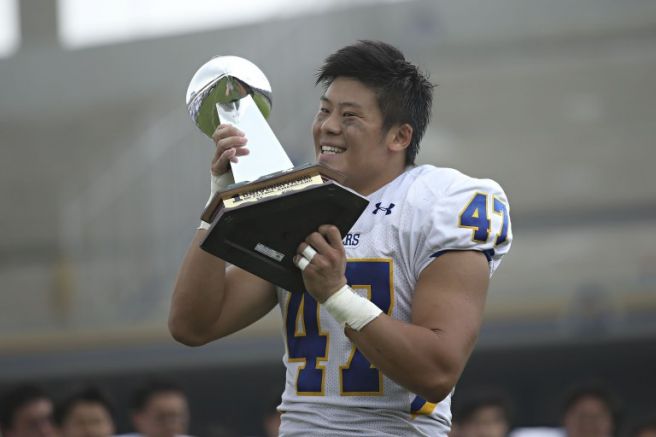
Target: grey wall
<point x="103" y="175"/>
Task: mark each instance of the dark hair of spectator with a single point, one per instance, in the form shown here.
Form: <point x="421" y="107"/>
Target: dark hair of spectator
<point x="91" y="395"/>
<point x="15" y="399"/>
<point x="404" y="94"/>
<point x="593" y="390"/>
<point x="143" y="394"/>
<point x="470" y="404"/>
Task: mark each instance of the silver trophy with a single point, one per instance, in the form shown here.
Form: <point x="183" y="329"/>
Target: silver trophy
<point x="258" y="222"/>
<point x="230" y="89"/>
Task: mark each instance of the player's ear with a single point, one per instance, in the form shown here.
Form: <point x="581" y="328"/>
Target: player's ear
<point x="401" y="137"/>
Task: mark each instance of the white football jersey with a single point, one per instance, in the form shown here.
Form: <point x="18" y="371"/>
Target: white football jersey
<point x="331" y="388"/>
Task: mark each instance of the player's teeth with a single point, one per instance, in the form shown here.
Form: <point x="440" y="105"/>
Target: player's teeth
<point x="329" y="149"/>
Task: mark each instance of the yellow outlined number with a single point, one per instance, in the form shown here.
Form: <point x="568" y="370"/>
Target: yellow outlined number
<point x="501" y="209"/>
<point x="475" y="216"/>
<point x="306" y="342"/>
<point x="358" y="377"/>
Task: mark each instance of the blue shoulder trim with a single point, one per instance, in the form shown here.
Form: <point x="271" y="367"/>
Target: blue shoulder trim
<point x="489" y="253"/>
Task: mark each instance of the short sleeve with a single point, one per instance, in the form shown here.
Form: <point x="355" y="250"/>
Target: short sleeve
<point x="451" y="211"/>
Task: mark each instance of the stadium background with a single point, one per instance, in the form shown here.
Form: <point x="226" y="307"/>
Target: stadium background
<point x="102" y="177"/>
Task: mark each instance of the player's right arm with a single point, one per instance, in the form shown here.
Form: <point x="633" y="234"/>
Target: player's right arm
<point x="209" y="300"/>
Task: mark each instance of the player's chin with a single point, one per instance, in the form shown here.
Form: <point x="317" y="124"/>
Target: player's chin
<point x="332" y="160"/>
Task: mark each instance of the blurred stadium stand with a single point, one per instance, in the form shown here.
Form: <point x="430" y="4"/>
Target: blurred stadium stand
<point x="104" y="175"/>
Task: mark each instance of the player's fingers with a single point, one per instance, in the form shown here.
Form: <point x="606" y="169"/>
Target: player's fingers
<point x="226" y="130"/>
<point x="304" y="250"/>
<point x="307" y="251"/>
<point x="230" y="143"/>
<point x="333" y="237"/>
<point x="319" y="243"/>
<point x="226" y="137"/>
<point x="221" y="162"/>
<point x="218" y="152"/>
<point x="242" y="151"/>
<point x="239" y="152"/>
<point x="301" y="262"/>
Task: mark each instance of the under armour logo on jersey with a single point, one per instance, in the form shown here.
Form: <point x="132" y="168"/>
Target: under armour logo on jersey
<point x="387" y="209"/>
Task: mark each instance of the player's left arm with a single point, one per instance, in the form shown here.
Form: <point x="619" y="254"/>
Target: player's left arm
<point x="428" y="355"/>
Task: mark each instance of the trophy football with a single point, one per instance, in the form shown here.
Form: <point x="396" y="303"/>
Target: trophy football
<point x="258" y="222"/>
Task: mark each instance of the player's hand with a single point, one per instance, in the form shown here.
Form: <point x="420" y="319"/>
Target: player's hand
<point x="230" y="143"/>
<point x="325" y="274"/>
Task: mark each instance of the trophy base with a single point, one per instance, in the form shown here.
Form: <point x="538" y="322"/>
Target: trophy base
<point x="263" y="237"/>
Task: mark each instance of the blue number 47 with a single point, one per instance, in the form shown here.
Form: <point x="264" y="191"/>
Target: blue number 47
<point x="475" y="217"/>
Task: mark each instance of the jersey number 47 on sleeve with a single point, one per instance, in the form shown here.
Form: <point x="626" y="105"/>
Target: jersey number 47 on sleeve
<point x="475" y="217"/>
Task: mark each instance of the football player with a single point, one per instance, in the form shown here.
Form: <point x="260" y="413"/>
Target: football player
<point x="391" y="311"/>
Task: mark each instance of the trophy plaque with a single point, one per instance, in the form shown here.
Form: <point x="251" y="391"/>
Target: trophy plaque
<point x="258" y="222"/>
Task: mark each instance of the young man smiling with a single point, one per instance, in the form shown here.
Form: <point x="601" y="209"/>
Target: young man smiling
<point x="393" y="309"/>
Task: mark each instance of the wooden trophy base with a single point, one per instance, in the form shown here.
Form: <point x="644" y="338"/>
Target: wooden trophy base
<point x="258" y="225"/>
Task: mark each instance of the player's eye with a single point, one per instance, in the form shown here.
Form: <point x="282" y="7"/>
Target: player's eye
<point x="349" y="114"/>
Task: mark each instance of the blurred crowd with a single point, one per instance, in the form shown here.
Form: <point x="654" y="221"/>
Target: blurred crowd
<point x="588" y="410"/>
<point x="160" y="408"/>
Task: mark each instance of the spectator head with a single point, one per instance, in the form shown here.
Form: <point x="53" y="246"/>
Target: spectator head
<point x="486" y="414"/>
<point x="589" y="411"/>
<point x="26" y="411"/>
<point x="86" y="413"/>
<point x="160" y="409"/>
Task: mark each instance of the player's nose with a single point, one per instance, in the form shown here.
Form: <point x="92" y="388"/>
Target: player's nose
<point x="330" y="124"/>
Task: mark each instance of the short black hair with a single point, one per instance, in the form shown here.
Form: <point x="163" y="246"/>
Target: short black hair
<point x="89" y="394"/>
<point x="154" y="387"/>
<point x="16" y="398"/>
<point x="465" y="407"/>
<point x="404" y="94"/>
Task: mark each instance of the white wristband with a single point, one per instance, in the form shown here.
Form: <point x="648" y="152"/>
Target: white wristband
<point x="351" y="309"/>
<point x="217" y="183"/>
